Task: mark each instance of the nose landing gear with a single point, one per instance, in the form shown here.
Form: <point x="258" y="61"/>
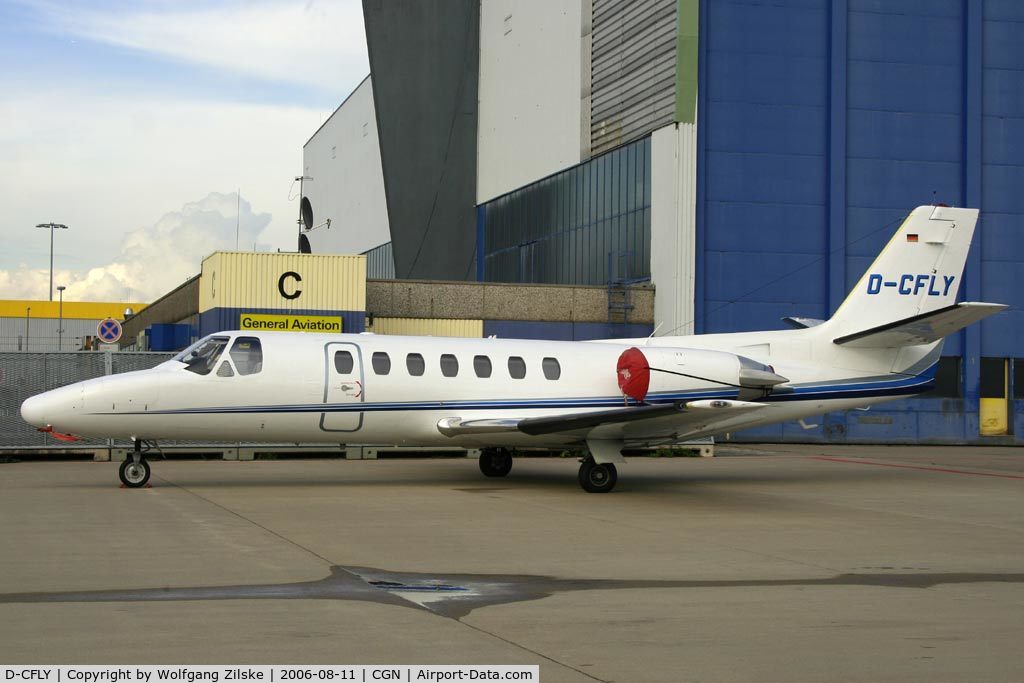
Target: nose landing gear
<point x="134" y="471"/>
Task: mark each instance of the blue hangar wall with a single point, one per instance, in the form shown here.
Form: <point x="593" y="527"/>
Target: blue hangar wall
<point x="846" y="114"/>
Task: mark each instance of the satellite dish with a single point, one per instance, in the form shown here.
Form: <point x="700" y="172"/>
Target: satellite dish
<point x="306" y="210"/>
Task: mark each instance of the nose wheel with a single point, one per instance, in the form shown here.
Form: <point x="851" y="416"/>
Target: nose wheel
<point x="134" y="471"/>
<point x="134" y="474"/>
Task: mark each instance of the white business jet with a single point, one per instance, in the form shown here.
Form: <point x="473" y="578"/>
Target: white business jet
<point x="499" y="394"/>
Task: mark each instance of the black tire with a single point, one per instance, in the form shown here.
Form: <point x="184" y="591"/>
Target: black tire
<point x="495" y="462"/>
<point x="134" y="475"/>
<point x="597" y="477"/>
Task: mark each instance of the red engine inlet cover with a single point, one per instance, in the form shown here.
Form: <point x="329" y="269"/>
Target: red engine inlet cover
<point x="633" y="373"/>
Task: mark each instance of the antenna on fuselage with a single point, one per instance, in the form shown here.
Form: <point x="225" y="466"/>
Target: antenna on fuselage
<point x="653" y="332"/>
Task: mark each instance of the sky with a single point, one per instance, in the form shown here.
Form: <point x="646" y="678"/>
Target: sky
<point x="136" y="124"/>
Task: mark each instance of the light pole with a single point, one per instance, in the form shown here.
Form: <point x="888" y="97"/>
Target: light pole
<point x="52" y="226"/>
<point x="60" y="320"/>
<point x="28" y="310"/>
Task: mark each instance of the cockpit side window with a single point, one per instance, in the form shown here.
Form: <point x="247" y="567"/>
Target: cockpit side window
<point x="247" y="354"/>
<point x="201" y="358"/>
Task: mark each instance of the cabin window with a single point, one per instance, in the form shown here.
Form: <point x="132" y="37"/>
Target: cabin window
<point x="415" y="364"/>
<point x="552" y="370"/>
<point x="381" y="362"/>
<point x="516" y="367"/>
<point x="449" y="365"/>
<point x="482" y="366"/>
<point x="225" y="370"/>
<point x="343" y="362"/>
<point x="201" y="358"/>
<point x="247" y="355"/>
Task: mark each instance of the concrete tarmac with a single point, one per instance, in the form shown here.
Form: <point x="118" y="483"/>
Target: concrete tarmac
<point x="767" y="563"/>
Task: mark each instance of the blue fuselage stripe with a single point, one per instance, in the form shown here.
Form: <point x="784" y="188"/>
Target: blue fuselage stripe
<point x="899" y="387"/>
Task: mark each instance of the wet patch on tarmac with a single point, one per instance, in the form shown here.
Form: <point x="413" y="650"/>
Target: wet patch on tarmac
<point x="456" y="595"/>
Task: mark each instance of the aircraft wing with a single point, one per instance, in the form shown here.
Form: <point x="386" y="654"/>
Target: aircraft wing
<point x="666" y="419"/>
<point x="921" y="329"/>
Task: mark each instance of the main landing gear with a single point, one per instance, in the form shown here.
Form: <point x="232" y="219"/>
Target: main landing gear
<point x="594" y="477"/>
<point x="597" y="469"/>
<point x="134" y="471"/>
<point x="495" y="462"/>
<point x="597" y="477"/>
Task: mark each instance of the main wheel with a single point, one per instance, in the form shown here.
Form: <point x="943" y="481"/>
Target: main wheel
<point x="495" y="462"/>
<point x="597" y="477"/>
<point x="134" y="474"/>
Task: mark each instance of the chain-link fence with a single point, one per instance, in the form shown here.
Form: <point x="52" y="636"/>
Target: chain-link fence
<point x="27" y="374"/>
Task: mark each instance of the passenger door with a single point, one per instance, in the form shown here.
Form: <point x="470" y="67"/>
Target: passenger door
<point x="344" y="388"/>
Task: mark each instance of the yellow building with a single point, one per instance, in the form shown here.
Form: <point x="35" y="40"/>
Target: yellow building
<point x="51" y="326"/>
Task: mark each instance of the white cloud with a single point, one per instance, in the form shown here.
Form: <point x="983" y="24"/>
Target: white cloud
<point x="106" y="157"/>
<point x="151" y="261"/>
<point x="315" y="43"/>
<point x="111" y="164"/>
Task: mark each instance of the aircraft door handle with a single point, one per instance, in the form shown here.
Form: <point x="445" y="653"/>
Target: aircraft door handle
<point x="357" y="388"/>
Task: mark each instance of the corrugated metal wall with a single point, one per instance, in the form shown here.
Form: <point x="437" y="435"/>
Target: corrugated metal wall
<point x="85" y="310"/>
<point x="633" y="70"/>
<point x="1001" y="165"/>
<point x="80" y="320"/>
<point x="380" y="262"/>
<point x="569" y="227"/>
<point x="432" y="327"/>
<point x="564" y="331"/>
<point x="251" y="280"/>
<point x="821" y="124"/>
<point x="673" y="198"/>
<point x="424" y="57"/>
<point x="42" y="334"/>
<point x="763" y="140"/>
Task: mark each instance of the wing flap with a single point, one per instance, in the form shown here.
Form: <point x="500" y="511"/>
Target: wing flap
<point x="550" y="424"/>
<point x="697" y="411"/>
<point x="921" y="329"/>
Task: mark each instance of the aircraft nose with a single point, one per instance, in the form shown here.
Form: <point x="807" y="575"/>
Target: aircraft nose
<point x="52" y="407"/>
<point x="34" y="410"/>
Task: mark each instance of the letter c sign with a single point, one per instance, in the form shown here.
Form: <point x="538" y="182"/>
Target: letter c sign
<point x="281" y="282"/>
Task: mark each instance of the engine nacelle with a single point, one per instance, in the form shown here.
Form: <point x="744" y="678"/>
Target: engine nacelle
<point x="654" y="370"/>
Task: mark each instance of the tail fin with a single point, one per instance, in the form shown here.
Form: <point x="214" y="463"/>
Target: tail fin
<point x="917" y="273"/>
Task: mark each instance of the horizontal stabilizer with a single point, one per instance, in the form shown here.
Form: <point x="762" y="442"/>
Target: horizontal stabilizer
<point x="921" y="329"/>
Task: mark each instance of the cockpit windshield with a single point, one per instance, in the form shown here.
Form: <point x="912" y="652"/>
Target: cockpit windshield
<point x="202" y="356"/>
